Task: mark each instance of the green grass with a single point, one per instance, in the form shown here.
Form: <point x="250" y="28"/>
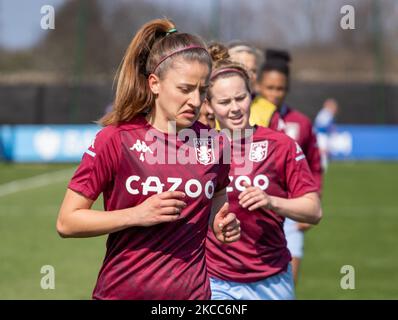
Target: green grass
<point x="359" y="228"/>
<point x="29" y="241"/>
<point x="10" y="172"/>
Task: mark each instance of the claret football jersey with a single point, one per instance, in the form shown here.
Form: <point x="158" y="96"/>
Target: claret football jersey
<point x="275" y="163"/>
<point x="299" y="127"/>
<point x="128" y="164"/>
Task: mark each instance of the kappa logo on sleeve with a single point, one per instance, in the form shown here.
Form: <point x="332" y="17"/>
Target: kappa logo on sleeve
<point x="299" y="150"/>
<point x="90" y="152"/>
<point x="141" y="148"/>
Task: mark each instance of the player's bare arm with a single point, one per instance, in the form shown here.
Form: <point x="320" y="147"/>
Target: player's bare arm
<point x="305" y="209"/>
<point x="76" y="218"/>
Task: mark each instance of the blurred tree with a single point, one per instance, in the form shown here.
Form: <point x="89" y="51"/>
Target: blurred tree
<point x="122" y="21"/>
<point x="80" y="41"/>
<point x="91" y="35"/>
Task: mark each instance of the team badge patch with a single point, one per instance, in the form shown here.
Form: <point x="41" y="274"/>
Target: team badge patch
<point x="204" y="150"/>
<point x="258" y="151"/>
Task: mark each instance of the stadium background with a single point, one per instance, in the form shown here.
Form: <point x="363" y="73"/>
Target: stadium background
<point x="65" y="77"/>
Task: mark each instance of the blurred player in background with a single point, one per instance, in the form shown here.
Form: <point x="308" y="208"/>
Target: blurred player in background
<point x="157" y="223"/>
<point x="248" y="56"/>
<point x="324" y="126"/>
<point x="262" y="112"/>
<point x="273" y="85"/>
<point x="206" y="115"/>
<point x="277" y="184"/>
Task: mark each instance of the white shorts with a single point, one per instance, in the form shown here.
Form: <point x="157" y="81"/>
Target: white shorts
<point x="323" y="141"/>
<point x="277" y="287"/>
<point x="294" y="238"/>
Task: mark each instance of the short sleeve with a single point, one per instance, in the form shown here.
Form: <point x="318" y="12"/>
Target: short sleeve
<point x="299" y="178"/>
<point x="314" y="158"/>
<point x="99" y="164"/>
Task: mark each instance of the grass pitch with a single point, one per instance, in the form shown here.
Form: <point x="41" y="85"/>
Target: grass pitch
<point x="359" y="229"/>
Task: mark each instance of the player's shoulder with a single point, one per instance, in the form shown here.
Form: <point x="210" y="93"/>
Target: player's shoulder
<point x="112" y="131"/>
<point x="298" y="116"/>
<point x="104" y="137"/>
<point x="270" y="134"/>
<point x="279" y="140"/>
<point x="106" y="133"/>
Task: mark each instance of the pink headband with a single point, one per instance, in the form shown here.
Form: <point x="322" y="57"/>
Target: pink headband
<point x="177" y="51"/>
<point x="224" y="70"/>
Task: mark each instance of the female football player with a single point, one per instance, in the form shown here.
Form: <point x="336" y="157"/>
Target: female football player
<point x="270" y="181"/>
<point x="158" y="200"/>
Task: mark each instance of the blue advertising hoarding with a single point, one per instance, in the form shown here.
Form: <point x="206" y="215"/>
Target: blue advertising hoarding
<point x="46" y="143"/>
<point x="67" y="143"/>
<point x="364" y="142"/>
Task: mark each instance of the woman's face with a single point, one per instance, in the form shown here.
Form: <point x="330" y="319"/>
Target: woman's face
<point x="273" y="87"/>
<point x="230" y="102"/>
<point x="180" y="93"/>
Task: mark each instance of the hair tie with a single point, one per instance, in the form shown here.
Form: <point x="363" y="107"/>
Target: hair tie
<point x="170" y="31"/>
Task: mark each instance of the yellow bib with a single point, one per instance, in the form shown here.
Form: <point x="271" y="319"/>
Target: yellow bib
<point x="261" y="111"/>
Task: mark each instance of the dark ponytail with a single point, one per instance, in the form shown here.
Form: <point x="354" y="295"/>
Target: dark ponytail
<point x="276" y="60"/>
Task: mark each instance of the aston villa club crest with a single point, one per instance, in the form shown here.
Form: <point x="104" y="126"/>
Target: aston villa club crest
<point x="258" y="151"/>
<point x="204" y="150"/>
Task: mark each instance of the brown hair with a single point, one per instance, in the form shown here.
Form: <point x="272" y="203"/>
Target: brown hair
<point x="149" y="46"/>
<point x="238" y="46"/>
<point x="223" y="67"/>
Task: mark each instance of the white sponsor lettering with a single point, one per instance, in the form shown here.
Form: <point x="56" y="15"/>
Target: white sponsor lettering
<point x="193" y="188"/>
<point x="148" y="186"/>
<point x="209" y="189"/>
<point x="260" y="181"/>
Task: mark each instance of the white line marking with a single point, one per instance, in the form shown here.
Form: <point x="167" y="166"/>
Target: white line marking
<point x="35" y="181"/>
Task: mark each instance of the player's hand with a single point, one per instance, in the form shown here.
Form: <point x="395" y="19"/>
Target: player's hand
<point x="226" y="226"/>
<point x="254" y="198"/>
<point x="160" y="208"/>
